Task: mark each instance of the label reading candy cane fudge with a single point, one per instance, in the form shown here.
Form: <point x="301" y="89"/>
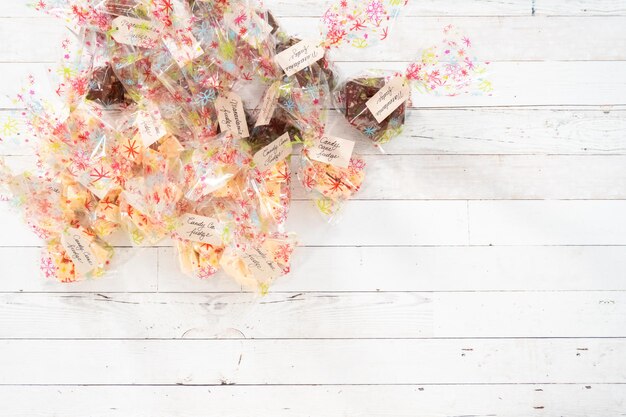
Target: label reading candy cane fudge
<point x="273" y="153"/>
<point x="299" y="56"/>
<point x="260" y="264"/>
<point x="231" y="116"/>
<point x="389" y="98"/>
<point x="268" y="105"/>
<point x="200" y="229"/>
<point x="332" y="150"/>
<point x="136" y="32"/>
<point x="77" y="246"/>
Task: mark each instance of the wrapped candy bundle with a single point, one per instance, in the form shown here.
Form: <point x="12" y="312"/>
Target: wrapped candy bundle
<point x="178" y="122"/>
<point x="375" y="103"/>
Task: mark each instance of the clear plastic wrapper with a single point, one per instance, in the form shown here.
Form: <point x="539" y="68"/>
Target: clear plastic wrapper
<point x="376" y="102"/>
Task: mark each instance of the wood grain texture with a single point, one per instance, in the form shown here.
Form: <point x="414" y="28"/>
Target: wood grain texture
<point x="516" y="84"/>
<point x="484" y="268"/>
<point x="479" y="273"/>
<point x="314" y="315"/>
<point x="319" y="362"/>
<point x="555" y="400"/>
<point x="512" y="131"/>
<point x="493" y="38"/>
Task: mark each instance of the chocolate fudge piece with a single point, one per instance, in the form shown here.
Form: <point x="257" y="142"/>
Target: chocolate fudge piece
<point x="262" y="136"/>
<point x="105" y="88"/>
<point x="314" y="73"/>
<point x="356" y="94"/>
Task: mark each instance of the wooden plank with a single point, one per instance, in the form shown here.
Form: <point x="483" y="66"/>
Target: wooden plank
<point x="512" y="131"/>
<point x="546" y="268"/>
<point x="494" y="38"/>
<point x="481" y="177"/>
<point x="525" y="268"/>
<point x="437" y="223"/>
<point x="580" y="7"/>
<point x="288" y="362"/>
<point x="547" y="222"/>
<point x="423" y="223"/>
<point x="515" y="83"/>
<point x="314" y="8"/>
<point x="476" y="177"/>
<point x="463" y="268"/>
<point x="331" y="401"/>
<point x="135" y="270"/>
<point x="314" y="315"/>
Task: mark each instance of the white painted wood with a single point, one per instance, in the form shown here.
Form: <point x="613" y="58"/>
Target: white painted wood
<point x="485" y="268"/>
<point x="515" y="83"/>
<point x="314" y="315"/>
<point x="547" y="222"/>
<point x="554" y="129"/>
<point x="423" y="223"/>
<point x="463" y="268"/>
<point x="494" y="38"/>
<point x="512" y="131"/>
<point x="217" y="362"/>
<point x="332" y="401"/>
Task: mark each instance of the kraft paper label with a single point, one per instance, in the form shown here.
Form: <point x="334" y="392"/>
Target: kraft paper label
<point x="231" y="115"/>
<point x="200" y="229"/>
<point x="136" y="32"/>
<point x="150" y="124"/>
<point x="77" y="246"/>
<point x="389" y="98"/>
<point x="273" y="153"/>
<point x="332" y="150"/>
<point x="299" y="56"/>
<point x="268" y="106"/>
<point x="260" y="264"/>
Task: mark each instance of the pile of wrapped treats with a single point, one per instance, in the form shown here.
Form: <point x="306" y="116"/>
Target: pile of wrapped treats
<point x="189" y="120"/>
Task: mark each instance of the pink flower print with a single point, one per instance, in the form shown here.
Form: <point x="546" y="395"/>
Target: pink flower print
<point x="375" y="11"/>
<point x="48" y="268"/>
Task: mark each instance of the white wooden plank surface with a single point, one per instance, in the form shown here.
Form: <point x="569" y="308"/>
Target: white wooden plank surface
<point x="296" y="362"/>
<point x="516" y="83"/>
<point x="555" y="400"/>
<point x="314" y="315"/>
<point x="484" y="296"/>
<point x="512" y="131"/>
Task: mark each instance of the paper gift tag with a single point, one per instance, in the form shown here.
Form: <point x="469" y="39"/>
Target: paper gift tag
<point x="299" y="56"/>
<point x="273" y="153"/>
<point x="231" y="115"/>
<point x="150" y="123"/>
<point x="136" y="32"/>
<point x="268" y="105"/>
<point x="260" y="264"/>
<point x="389" y="98"/>
<point x="332" y="150"/>
<point x="77" y="246"/>
<point x="200" y="229"/>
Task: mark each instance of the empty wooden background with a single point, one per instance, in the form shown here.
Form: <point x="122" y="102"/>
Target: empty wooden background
<point x="482" y="270"/>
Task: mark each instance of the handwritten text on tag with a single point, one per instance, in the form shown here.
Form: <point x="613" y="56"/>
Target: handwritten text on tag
<point x="200" y="229"/>
<point x="135" y="32"/>
<point x="273" y="153"/>
<point x="231" y="115"/>
<point x="299" y="56"/>
<point x="268" y="106"/>
<point x="77" y="246"/>
<point x="332" y="150"/>
<point x="389" y="98"/>
<point x="261" y="265"/>
<point x="150" y="124"/>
